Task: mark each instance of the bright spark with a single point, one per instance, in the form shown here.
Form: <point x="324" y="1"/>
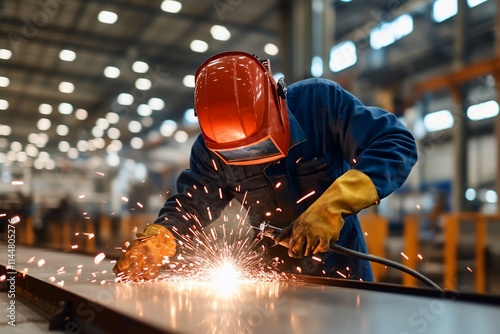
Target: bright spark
<point x="99" y="173"/>
<point x="469" y="269"/>
<point x="420" y="256"/>
<point x="17" y="183"/>
<point x="81" y="196"/>
<point x="404" y="255"/>
<point x="306" y="196"/>
<point x="14" y="220"/>
<point x="418" y="206"/>
<point x="125" y="199"/>
<point x="41" y="262"/>
<point x="99" y="257"/>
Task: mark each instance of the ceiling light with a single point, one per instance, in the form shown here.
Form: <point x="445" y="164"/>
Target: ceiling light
<point x="140" y="67"/>
<point x="67" y="55"/>
<point x="271" y="49"/>
<point x="16" y="146"/>
<point x="188" y="81"/>
<point x="181" y="136"/>
<point x="189" y="116"/>
<point x="438" y="120"/>
<point x="220" y="33"/>
<point x="81" y="114"/>
<point x="65" y="108"/>
<point x="483" y="110"/>
<point x="134" y="126"/>
<point x="5" y="54"/>
<point x="156" y="103"/>
<point x="113" y="133"/>
<point x="72" y="153"/>
<point x="171" y="6"/>
<point x="5" y="130"/>
<point x="108" y="17"/>
<point x="125" y="99"/>
<point x="112" y="117"/>
<point x="43" y="124"/>
<point x="4" y="104"/>
<point x="112" y="72"/>
<point x="144" y="110"/>
<point x="199" y="45"/>
<point x="4" y="81"/>
<point x="63" y="146"/>
<point x="168" y="128"/>
<point x="82" y="145"/>
<point x="66" y="87"/>
<point x="143" y="84"/>
<point x="62" y="130"/>
<point x="136" y="143"/>
<point x="45" y="109"/>
<point x="102" y="123"/>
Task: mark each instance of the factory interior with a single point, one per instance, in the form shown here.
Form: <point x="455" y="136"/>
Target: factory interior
<point x="97" y="122"/>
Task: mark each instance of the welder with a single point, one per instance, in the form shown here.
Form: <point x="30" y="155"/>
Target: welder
<point x="306" y="158"/>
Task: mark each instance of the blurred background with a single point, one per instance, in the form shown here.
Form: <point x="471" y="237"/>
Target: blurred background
<point x="96" y="117"/>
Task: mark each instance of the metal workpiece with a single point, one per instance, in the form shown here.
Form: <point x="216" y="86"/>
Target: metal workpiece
<point x="96" y="303"/>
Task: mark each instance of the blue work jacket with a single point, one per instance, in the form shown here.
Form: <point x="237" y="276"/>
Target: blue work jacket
<point x="331" y="132"/>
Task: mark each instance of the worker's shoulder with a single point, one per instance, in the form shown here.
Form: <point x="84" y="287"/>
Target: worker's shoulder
<point x="312" y="83"/>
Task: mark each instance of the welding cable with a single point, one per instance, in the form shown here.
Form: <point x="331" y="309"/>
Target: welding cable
<point x="381" y="260"/>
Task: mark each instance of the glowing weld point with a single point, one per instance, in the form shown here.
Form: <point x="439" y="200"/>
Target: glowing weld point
<point x="420" y="256"/>
<point x="306" y="196"/>
<point x="404" y="255"/>
<point x="41" y="263"/>
<point x="469" y="269"/>
<point x="31" y="260"/>
<point x="99" y="173"/>
<point x="17" y="183"/>
<point x="99" y="257"/>
<point x="81" y="196"/>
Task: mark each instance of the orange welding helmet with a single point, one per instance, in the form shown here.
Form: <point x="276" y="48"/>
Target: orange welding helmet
<point x="241" y="109"/>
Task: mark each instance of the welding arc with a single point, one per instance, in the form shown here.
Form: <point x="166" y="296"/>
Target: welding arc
<point x="373" y="258"/>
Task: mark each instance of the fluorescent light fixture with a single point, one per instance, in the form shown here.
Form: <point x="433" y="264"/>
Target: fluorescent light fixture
<point x="66" y="87"/>
<point x="188" y="81"/>
<point x="5" y="54"/>
<point x="491" y="196"/>
<point x="342" y="56"/>
<point x="220" y="33"/>
<point x="271" y="49"/>
<point x="387" y="33"/>
<point x="67" y="55"/>
<point x="444" y="9"/>
<point x="470" y="194"/>
<point x="198" y="45"/>
<point x="474" y="3"/>
<point x="483" y="110"/>
<point x="107" y="17"/>
<point x="439" y="120"/>
<point x="170" y="6"/>
<point x="112" y="72"/>
<point x="140" y="67"/>
<point x="45" y="109"/>
<point x="4" y="81"/>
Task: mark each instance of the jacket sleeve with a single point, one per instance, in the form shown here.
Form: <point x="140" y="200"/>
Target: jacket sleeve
<point x="201" y="193"/>
<point x="372" y="140"/>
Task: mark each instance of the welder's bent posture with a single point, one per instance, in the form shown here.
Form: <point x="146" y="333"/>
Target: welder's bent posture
<point x="305" y="158"/>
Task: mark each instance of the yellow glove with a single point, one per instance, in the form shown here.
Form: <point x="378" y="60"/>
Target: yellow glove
<point x="318" y="226"/>
<point x="144" y="256"/>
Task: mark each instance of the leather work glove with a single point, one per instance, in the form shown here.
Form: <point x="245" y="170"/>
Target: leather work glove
<point x="144" y="257"/>
<point x="318" y="226"/>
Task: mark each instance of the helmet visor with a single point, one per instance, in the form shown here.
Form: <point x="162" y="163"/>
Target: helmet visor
<point x="263" y="151"/>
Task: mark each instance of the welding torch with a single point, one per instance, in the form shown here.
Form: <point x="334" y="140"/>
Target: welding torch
<point x="272" y="232"/>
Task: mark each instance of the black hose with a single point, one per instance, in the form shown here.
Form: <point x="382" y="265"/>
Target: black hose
<point x="381" y="260"/>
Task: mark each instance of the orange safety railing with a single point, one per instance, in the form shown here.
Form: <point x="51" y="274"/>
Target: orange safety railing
<point x="411" y="235"/>
<point x="375" y="228"/>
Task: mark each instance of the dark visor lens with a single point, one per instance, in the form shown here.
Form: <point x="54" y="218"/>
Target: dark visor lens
<point x="264" y="149"/>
